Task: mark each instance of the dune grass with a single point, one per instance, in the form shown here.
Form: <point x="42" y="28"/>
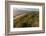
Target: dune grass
<point x="28" y="20"/>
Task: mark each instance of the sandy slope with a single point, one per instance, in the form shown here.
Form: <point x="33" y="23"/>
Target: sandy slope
<point x="20" y="15"/>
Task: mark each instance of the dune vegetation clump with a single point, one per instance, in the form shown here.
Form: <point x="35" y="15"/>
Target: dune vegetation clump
<point x="27" y="20"/>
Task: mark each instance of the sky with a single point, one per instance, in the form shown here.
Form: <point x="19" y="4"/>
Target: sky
<point x="18" y="9"/>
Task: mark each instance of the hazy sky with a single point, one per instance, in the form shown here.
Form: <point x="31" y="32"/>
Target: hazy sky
<point x="18" y="9"/>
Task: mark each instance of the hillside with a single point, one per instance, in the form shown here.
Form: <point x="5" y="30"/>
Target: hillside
<point x="27" y="20"/>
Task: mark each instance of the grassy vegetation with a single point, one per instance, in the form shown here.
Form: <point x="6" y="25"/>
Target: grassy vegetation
<point x="28" y="20"/>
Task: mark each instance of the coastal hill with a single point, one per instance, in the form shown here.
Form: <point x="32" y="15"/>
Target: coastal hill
<point x="27" y="20"/>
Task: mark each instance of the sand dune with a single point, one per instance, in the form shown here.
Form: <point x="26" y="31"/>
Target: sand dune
<point x="19" y="15"/>
<point x="27" y="20"/>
